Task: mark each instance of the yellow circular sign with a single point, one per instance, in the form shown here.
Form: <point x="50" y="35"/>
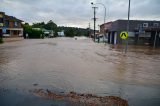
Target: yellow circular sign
<point x="124" y="35"/>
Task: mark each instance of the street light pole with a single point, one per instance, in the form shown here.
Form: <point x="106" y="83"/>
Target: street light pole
<point x="127" y="26"/>
<point x="94" y="19"/>
<point x="104" y="13"/>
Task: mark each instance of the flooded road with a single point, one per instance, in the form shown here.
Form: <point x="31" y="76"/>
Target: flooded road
<point x="82" y="66"/>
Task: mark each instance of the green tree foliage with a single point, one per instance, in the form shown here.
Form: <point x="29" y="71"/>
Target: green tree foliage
<point x="38" y="25"/>
<point x="68" y="31"/>
<point x="73" y="31"/>
<point x="32" y="33"/>
<point x="50" y="25"/>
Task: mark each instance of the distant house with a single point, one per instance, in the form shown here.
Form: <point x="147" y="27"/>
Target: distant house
<point x="141" y="32"/>
<point x="48" y="33"/>
<point x="96" y="33"/>
<point x="61" y="34"/>
<point x="10" y="26"/>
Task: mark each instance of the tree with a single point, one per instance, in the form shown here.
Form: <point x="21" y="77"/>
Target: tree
<point x="69" y="31"/>
<point x="50" y="25"/>
<point x="38" y="25"/>
<point x="32" y="33"/>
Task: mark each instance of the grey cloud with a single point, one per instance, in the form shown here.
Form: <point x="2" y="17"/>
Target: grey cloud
<point x="78" y="12"/>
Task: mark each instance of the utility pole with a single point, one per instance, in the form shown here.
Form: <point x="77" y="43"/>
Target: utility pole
<point x="127" y="27"/>
<point x="89" y="27"/>
<point x="94" y="19"/>
<point x="104" y="15"/>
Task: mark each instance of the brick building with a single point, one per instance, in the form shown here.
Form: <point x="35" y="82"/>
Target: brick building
<point x="10" y="26"/>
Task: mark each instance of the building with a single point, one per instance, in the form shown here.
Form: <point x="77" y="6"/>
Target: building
<point x="10" y="26"/>
<point x="92" y="33"/>
<point x="61" y="34"/>
<point x="48" y="33"/>
<point x="141" y="32"/>
<point x="104" y="27"/>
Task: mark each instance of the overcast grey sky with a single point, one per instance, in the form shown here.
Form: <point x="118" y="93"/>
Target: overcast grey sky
<point x="79" y="12"/>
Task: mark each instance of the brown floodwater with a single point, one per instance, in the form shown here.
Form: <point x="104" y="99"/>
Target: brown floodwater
<point x="82" y="66"/>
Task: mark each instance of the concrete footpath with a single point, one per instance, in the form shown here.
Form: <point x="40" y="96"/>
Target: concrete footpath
<point x="13" y="39"/>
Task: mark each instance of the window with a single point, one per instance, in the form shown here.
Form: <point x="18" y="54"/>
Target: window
<point x="7" y="23"/>
<point x="139" y="25"/>
<point x="8" y="32"/>
<point x="1" y="24"/>
<point x="1" y="20"/>
<point x="15" y="24"/>
<point x="1" y="15"/>
<point x="156" y="24"/>
<point x="145" y="24"/>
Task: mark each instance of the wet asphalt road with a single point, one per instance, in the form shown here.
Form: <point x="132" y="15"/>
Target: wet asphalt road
<point x="66" y="64"/>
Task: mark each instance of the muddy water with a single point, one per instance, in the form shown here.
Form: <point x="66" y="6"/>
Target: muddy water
<point x="66" y="64"/>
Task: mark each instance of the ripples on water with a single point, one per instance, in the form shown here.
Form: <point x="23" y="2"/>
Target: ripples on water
<point x="82" y="66"/>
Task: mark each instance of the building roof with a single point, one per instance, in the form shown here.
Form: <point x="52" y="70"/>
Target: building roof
<point x="106" y="23"/>
<point x="12" y="18"/>
<point x="138" y="20"/>
<point x="1" y="12"/>
<point x="121" y="24"/>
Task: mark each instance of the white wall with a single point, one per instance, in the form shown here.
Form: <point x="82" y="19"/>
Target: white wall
<point x="131" y="34"/>
<point x="6" y="35"/>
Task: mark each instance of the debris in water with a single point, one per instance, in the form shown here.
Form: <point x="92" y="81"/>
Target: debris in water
<point x="35" y="84"/>
<point x="82" y="99"/>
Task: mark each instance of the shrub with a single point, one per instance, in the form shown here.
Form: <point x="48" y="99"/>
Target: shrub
<point x="32" y="33"/>
<point x="1" y="40"/>
<point x="35" y="34"/>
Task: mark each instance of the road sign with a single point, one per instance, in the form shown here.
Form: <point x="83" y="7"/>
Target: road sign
<point x="124" y="35"/>
<point x="4" y="29"/>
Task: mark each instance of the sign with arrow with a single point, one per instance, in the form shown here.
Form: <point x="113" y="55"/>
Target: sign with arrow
<point x="124" y="35"/>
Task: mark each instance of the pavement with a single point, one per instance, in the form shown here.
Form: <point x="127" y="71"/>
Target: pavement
<point x="13" y="39"/>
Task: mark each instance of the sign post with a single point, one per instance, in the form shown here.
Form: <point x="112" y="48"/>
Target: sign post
<point x="128" y="25"/>
<point x="124" y="36"/>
